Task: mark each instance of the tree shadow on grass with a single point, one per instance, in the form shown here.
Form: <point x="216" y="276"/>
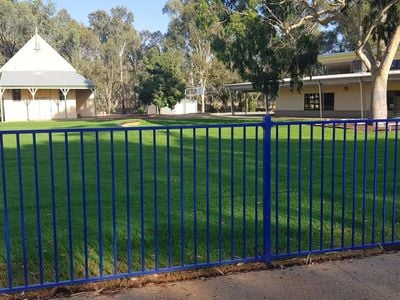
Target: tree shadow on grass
<point x="139" y="200"/>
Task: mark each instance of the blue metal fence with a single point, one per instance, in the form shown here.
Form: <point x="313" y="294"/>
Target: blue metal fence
<point x="335" y="186"/>
<point x="84" y="205"/>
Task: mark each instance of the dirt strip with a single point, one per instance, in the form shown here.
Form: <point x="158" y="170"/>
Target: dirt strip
<point x="121" y="286"/>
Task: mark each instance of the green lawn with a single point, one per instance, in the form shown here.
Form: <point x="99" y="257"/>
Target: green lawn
<point x="246" y="198"/>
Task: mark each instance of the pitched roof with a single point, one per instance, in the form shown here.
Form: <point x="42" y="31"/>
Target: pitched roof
<point x="37" y="55"/>
<point x="38" y="65"/>
<point x="43" y="80"/>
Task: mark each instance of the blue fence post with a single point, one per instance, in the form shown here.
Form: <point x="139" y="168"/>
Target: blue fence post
<point x="267" y="125"/>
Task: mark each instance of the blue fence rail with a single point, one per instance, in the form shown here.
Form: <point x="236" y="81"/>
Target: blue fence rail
<point x="84" y="205"/>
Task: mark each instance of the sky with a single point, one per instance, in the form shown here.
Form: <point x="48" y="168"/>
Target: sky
<point x="148" y="13"/>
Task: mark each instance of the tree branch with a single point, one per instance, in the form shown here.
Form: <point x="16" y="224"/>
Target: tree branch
<point x="391" y="51"/>
<point x="376" y="22"/>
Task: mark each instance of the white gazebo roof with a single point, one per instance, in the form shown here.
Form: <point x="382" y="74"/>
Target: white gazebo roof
<point x="44" y="80"/>
<point x="38" y="65"/>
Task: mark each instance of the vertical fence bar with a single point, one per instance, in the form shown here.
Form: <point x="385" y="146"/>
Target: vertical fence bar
<point x="53" y="206"/>
<point x="142" y="240"/>
<point x="353" y="214"/>
<point x="311" y="187"/>
<point x="84" y="212"/>
<point x="155" y="198"/>
<point x="220" y="194"/>
<point x="22" y="210"/>
<point x="344" y="180"/>
<point x="232" y="194"/>
<point x="208" y="195"/>
<point x="375" y="182"/>
<point x="364" y="208"/>
<point x="276" y="188"/>
<point x="396" y="151"/>
<point x="113" y="199"/>
<point x="38" y="214"/>
<point x="128" y="203"/>
<point x="71" y="256"/>
<point x="288" y="190"/>
<point x="244" y="192"/>
<point x="195" y="196"/>
<point x="333" y="185"/>
<point x="5" y="214"/>
<point x="385" y="182"/>
<point x="256" y="194"/>
<point x="169" y="197"/>
<point x="99" y="208"/>
<point x="267" y="188"/>
<point x="300" y="187"/>
<point x="182" y="199"/>
<point x="321" y="225"/>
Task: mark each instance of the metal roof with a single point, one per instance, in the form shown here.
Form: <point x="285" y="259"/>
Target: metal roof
<point x="337" y="79"/>
<point x="44" y="80"/>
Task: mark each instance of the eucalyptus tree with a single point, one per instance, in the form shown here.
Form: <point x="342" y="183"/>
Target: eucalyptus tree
<point x="118" y="38"/>
<point x="373" y="26"/>
<point x="191" y="28"/>
<point x="259" y="52"/>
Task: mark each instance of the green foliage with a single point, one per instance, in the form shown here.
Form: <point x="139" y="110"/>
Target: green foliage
<point x="259" y="52"/>
<point x="165" y="84"/>
<point x="111" y="53"/>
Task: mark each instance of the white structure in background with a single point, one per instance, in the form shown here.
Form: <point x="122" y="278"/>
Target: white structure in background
<point x="183" y="107"/>
<point x="192" y="93"/>
<point x="37" y="83"/>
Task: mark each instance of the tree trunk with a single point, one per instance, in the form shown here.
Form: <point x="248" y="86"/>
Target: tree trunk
<point x="379" y="109"/>
<point x="203" y="104"/>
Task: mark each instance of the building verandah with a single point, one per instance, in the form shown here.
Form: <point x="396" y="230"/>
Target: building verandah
<point x="37" y="104"/>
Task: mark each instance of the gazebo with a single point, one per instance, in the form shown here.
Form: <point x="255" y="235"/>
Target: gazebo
<point x="37" y="83"/>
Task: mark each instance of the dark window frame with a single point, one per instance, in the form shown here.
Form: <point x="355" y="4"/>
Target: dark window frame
<point x="329" y="106"/>
<point x="312" y="102"/>
<point x="390" y="99"/>
<point x="395" y="65"/>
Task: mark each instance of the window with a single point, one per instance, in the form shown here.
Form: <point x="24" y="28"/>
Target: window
<point x="391" y="95"/>
<point x="311" y="101"/>
<point x="395" y="65"/>
<point x="16" y="95"/>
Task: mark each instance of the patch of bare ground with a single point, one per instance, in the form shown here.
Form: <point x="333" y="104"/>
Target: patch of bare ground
<point x="132" y="123"/>
<point x="118" y="286"/>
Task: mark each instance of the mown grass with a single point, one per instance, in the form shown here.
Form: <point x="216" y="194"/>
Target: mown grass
<point x="292" y="204"/>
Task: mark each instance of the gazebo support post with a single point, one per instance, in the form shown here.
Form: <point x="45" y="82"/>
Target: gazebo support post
<point x="232" y="103"/>
<point x="33" y="92"/>
<point x="2" y="90"/>
<point x="94" y="102"/>
<point x="65" y="93"/>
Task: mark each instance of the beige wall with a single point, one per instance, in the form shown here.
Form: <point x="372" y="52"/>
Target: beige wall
<point x="85" y="106"/>
<point x="347" y="99"/>
<point x="46" y="106"/>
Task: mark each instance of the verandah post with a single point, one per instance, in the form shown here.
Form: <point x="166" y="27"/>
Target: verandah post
<point x="267" y="125"/>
